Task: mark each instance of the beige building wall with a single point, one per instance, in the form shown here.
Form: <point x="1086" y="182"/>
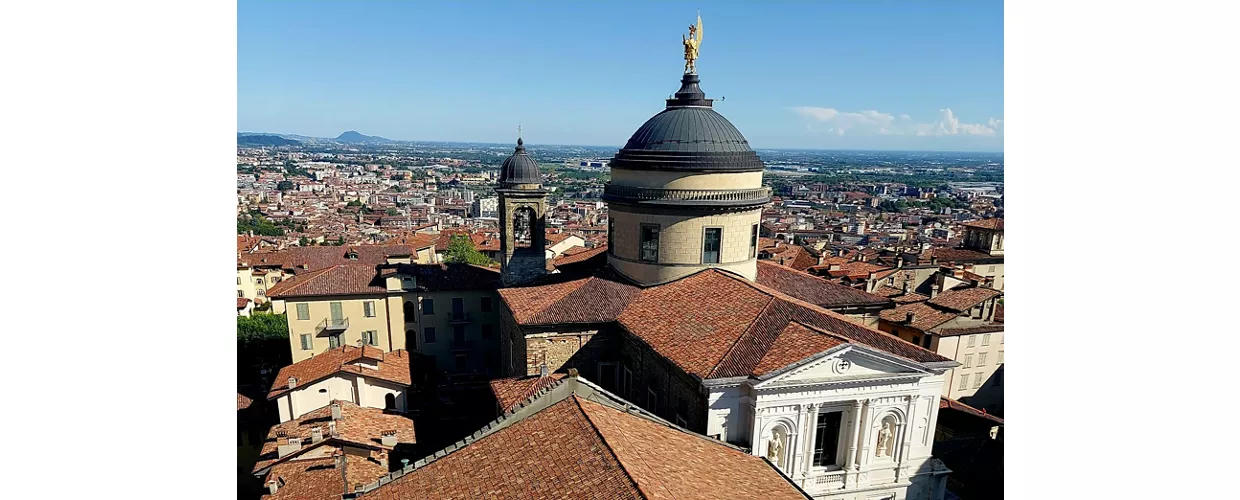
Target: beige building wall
<point x="481" y="351"/>
<point x="353" y="309"/>
<point x="685" y="180"/>
<point x="369" y="393"/>
<point x="680" y="244"/>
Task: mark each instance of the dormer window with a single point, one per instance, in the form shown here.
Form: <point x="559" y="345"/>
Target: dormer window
<point x="351" y="255"/>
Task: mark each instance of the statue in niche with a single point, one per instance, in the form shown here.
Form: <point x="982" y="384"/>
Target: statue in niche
<point x="886" y="434"/>
<point x="775" y="447"/>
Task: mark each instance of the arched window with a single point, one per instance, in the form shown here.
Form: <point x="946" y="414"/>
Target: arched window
<point x="410" y="311"/>
<point x="522" y="227"/>
<point x="389" y="401"/>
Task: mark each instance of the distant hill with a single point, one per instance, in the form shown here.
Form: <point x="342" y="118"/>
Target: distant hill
<point x="264" y="140"/>
<point x="353" y="137"/>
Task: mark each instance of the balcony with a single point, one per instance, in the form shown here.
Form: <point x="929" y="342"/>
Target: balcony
<point x="458" y="318"/>
<point x="687" y="197"/>
<point x="332" y="326"/>
<point x="827" y="481"/>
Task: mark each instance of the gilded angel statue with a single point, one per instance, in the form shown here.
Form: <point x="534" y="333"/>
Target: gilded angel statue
<point x="692" y="43"/>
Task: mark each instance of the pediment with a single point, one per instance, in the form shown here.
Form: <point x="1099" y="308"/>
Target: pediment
<point x="852" y="363"/>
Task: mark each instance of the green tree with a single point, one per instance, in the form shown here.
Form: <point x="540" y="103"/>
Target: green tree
<point x="284" y="185"/>
<point x="353" y="203"/>
<point x="303" y="241"/>
<point x="262" y="342"/>
<point x="340" y="242"/>
<point x="461" y="251"/>
<point x="392" y="212"/>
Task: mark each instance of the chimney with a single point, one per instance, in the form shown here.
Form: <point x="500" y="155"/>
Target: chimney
<point x="542" y="370"/>
<point x="572" y="372"/>
<point x="900" y="262"/>
<point x="292" y="382"/>
<point x="292" y="445"/>
<point x="316" y="434"/>
<point x="331" y="428"/>
<point x="934" y="260"/>
<point x="335" y="411"/>
<point x="909" y="317"/>
<point x="388" y="438"/>
<point x="273" y="486"/>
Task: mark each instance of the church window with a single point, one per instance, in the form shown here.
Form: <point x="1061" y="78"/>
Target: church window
<point x="827" y="438"/>
<point x="710" y="245"/>
<point x="650" y="242"/>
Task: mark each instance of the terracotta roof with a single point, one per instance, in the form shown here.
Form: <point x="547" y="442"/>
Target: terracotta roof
<point x="711" y="324"/>
<point x="578" y="254"/>
<point x="795" y="343"/>
<point x="314" y="258"/>
<point x="416" y="241"/>
<point x="987" y="328"/>
<point x="513" y="390"/>
<point x="319" y="479"/>
<point x="995" y="224"/>
<point x="962" y="299"/>
<point x="898" y="296"/>
<point x="794" y="256"/>
<point x="814" y="289"/>
<point x="340" y="279"/>
<point x="393" y="367"/>
<point x="443" y="277"/>
<point x="243" y="401"/>
<point x="925" y="317"/>
<point x="951" y="404"/>
<point x="357" y="425"/>
<point x="998" y="317"/>
<point x="577" y="448"/>
<point x="946" y="255"/>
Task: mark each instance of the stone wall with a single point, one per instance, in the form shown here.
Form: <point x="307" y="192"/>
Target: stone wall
<point x="680" y="243"/>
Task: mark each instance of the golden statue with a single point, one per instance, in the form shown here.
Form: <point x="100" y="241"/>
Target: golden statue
<point x="691" y="46"/>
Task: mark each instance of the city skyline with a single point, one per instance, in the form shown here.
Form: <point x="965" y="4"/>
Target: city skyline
<point x="527" y="65"/>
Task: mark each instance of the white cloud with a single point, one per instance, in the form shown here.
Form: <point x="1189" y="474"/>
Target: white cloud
<point x="870" y="122"/>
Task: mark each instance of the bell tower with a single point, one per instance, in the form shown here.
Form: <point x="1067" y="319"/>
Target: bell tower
<point x="523" y="218"/>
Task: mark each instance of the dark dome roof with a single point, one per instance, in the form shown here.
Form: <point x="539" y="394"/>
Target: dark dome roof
<point x="688" y="135"/>
<point x="520" y="168"/>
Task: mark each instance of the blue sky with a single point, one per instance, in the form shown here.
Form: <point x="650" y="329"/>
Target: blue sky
<point x="824" y="75"/>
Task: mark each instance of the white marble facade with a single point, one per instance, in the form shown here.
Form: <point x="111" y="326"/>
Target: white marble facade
<point x="883" y="432"/>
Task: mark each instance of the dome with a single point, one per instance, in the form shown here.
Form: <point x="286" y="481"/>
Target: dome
<point x="520" y="168"/>
<point x="688" y="135"/>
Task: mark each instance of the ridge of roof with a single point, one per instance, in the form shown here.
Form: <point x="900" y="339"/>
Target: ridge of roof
<point x="607" y="446"/>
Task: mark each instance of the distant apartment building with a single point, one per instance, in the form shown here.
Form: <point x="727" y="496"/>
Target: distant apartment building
<point x="958" y="324"/>
<point x="446" y="311"/>
<point x="484" y="207"/>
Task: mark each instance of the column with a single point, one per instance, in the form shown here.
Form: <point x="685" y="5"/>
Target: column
<point x="809" y="431"/>
<point x="905" y="435"/>
<point x="795" y="446"/>
<point x="864" y="434"/>
<point x="850" y="460"/>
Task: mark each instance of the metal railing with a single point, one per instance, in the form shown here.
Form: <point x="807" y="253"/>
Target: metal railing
<point x="686" y="196"/>
<point x="333" y="324"/>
